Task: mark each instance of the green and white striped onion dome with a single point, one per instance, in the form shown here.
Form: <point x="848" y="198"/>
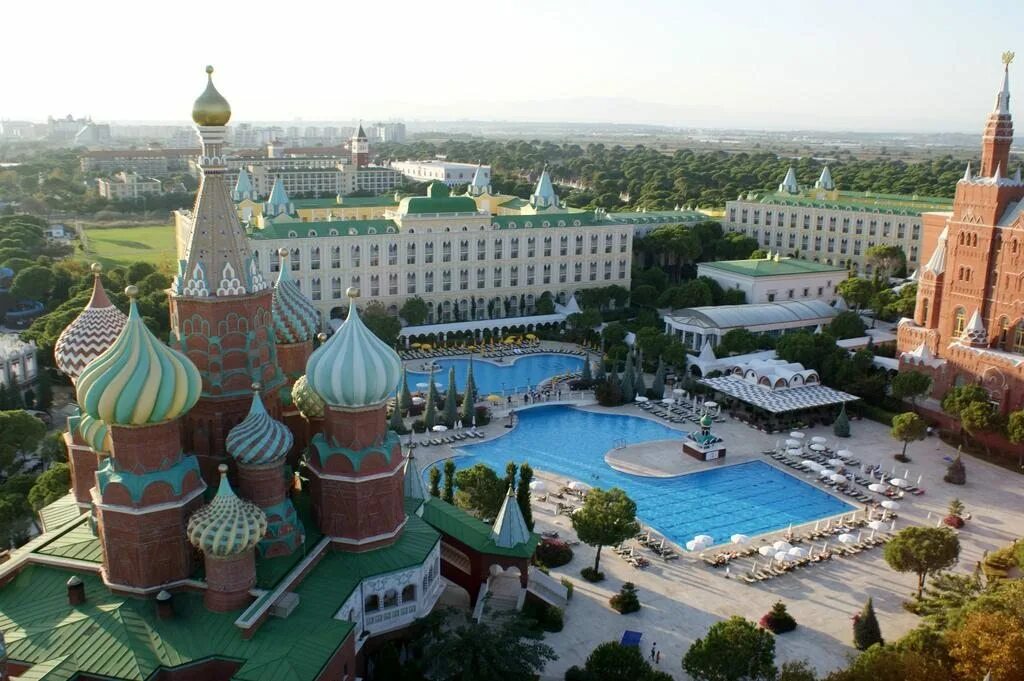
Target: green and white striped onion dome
<point x="227" y="526"/>
<point x="306" y="401"/>
<point x="354" y="368"/>
<point x="295" y="318"/>
<point x="95" y="433"/>
<point x="258" y="438"/>
<point x="138" y="380"/>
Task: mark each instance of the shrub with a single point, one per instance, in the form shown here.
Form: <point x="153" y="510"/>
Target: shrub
<point x="575" y="673"/>
<point x="569" y="586"/>
<point x="998" y="564"/>
<point x="552" y="553"/>
<point x="954" y="521"/>
<point x="841" y="426"/>
<point x="543" y="616"/>
<point x="626" y="601"/>
<point x="592" y="575"/>
<point x="956" y="474"/>
<point x="778" y="620"/>
<point x="419" y="426"/>
<point x="483" y="416"/>
<point x="866" y="631"/>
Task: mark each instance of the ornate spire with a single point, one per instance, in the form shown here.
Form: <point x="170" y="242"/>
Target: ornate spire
<point x="138" y="380"/>
<point x="974" y="333"/>
<point x="544" y="195"/>
<point x="278" y="202"/>
<point x="1003" y="98"/>
<point x="218" y="261"/>
<point x="92" y="332"/>
<point x="967" y="172"/>
<point x="937" y="263"/>
<point x="243" y="187"/>
<point x="789" y="184"/>
<point x="227" y="526"/>
<point x="825" y="181"/>
<point x="413" y="480"/>
<point x="995" y="146"/>
<point x="258" y="439"/>
<point x="295" y="318"/>
<point x="510" y="527"/>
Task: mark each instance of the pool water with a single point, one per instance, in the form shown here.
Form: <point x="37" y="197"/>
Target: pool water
<point x="749" y="498"/>
<point x="512" y="376"/>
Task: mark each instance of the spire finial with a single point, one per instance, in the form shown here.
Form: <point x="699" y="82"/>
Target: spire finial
<point x="132" y="291"/>
<point x="223" y="468"/>
<point x="96" y="268"/>
<point x="1008" y="59"/>
<point x="283" y="252"/>
<point x="352" y="292"/>
<point x="257" y="387"/>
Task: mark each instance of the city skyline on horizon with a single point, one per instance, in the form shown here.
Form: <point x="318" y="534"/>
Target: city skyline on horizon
<point x="793" y="69"/>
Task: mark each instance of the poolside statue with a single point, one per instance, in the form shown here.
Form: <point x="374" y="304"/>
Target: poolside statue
<point x="705" y="445"/>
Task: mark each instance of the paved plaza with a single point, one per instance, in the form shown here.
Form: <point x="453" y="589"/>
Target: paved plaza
<point x="682" y="598"/>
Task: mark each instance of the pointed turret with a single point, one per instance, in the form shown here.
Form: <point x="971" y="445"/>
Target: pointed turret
<point x="360" y="148"/>
<point x="789" y="184"/>
<point x="707" y="353"/>
<point x="92" y="332"/>
<point x="413" y="485"/>
<point x="937" y="263"/>
<point x="278" y="203"/>
<point x="967" y="172"/>
<point x="544" y="195"/>
<point x="243" y="187"/>
<point x="995" y="145"/>
<point x="510" y="528"/>
<point x="974" y="333"/>
<point x="825" y="181"/>
<point x="480" y="185"/>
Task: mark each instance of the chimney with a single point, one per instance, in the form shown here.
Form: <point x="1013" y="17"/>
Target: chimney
<point x="165" y="605"/>
<point x="76" y="590"/>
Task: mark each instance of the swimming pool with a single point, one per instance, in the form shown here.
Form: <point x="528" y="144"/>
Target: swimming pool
<point x="527" y="370"/>
<point x="748" y="498"/>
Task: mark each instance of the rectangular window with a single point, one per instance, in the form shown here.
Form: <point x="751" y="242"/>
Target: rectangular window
<point x="392" y="254"/>
<point x="428" y="282"/>
<point x="622" y="269"/>
<point x="593" y="244"/>
<point x="623" y="242"/>
<point x="481" y="249"/>
<point x="336" y="288"/>
<point x="295" y="260"/>
<point x="807" y="221"/>
<point x="464" y="250"/>
<point x="446" y="251"/>
<point x="607" y="269"/>
<point x="579" y="244"/>
<point x="547" y="274"/>
<point x="314" y="258"/>
<point x="374" y="285"/>
<point x="563" y="246"/>
<point x="315" y="290"/>
<point x="393" y="283"/>
<point x="410" y="254"/>
<point x="547" y="247"/>
<point x="481" y="277"/>
<point x="498" y="249"/>
<point x="513" y="276"/>
<point x="530" y="275"/>
<point x="463" y="280"/>
<point x="410" y="283"/>
<point x="428" y="252"/>
<point x="513" y="248"/>
<point x="577" y="272"/>
<point x="497" y="277"/>
<point x="593" y="271"/>
<point x="767" y="218"/>
<point x="757" y="217"/>
<point x="374" y="255"/>
<point x="819" y="222"/>
<point x="335" y="257"/>
<point x="743" y="216"/>
<point x="531" y="247"/>
<point x="563" y="273"/>
<point x="446" y="280"/>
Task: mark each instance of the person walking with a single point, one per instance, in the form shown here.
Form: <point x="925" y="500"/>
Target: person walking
<point x="653" y="650"/>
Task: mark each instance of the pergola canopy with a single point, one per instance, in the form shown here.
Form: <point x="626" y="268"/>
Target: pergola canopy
<point x="778" y="401"/>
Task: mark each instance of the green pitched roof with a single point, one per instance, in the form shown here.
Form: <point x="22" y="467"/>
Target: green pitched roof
<point x="346" y="202"/>
<point x="282" y="230"/>
<point x="658" y="216"/>
<point x="568" y="219"/>
<point x="471" y="531"/>
<point x="78" y="542"/>
<point x="764" y="267"/>
<point x="869" y="202"/>
<point x="121" y="638"/>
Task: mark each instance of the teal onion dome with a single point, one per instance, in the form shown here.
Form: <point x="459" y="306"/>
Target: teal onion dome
<point x="227" y="526"/>
<point x="306" y="401"/>
<point x="95" y="433"/>
<point x="706" y="420"/>
<point x="258" y="439"/>
<point x="138" y="380"/>
<point x="295" y="318"/>
<point x="354" y="368"/>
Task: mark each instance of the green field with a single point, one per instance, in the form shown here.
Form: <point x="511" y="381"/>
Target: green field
<point x="114" y="246"/>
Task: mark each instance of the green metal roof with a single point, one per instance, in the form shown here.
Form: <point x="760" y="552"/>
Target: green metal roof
<point x="320" y="229"/>
<point x="79" y="543"/>
<point x="515" y="203"/>
<point x="471" y="531"/>
<point x="545" y="220"/>
<point x="59" y="513"/>
<point x="121" y="638"/>
<point x="763" y="267"/>
<point x="346" y="202"/>
<point x="419" y="205"/>
<point x="897" y="204"/>
<point x="658" y="216"/>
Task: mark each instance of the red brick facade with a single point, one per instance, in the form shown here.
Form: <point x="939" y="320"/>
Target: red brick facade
<point x="83" y="462"/>
<point x="976" y="267"/>
<point x="228" y="581"/>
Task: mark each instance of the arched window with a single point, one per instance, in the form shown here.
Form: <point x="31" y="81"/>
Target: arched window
<point x="409" y="593"/>
<point x="959" y="321"/>
<point x="390" y="598"/>
<point x="1018" y="338"/>
<point x="372" y="603"/>
<point x="924" y="311"/>
<point x="1004" y="332"/>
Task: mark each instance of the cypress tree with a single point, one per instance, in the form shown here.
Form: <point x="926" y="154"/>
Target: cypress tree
<point x="449" y="482"/>
<point x="405" y="397"/>
<point x="628" y="387"/>
<point x="523" y="493"/>
<point x="841" y="427"/>
<point x="866" y="631"/>
<point x="435" y="481"/>
<point x="430" y="411"/>
<point x="510" y="474"/>
<point x="586" y="374"/>
<point x="658" y="387"/>
<point x="600" y="374"/>
<point x="639" y="385"/>
<point x="396" y="423"/>
<point x="451" y="400"/>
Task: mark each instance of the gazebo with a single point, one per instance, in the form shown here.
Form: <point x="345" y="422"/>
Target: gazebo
<point x="777" y="408"/>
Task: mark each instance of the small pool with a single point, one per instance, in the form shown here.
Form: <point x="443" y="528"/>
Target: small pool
<point x="749" y="498"/>
<point x="512" y="376"/>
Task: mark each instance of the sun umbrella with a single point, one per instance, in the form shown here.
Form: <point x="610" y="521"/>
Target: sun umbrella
<point x="813" y="465"/>
<point x="578" y="486"/>
<point x="678" y="391"/>
<point x="797" y="434"/>
<point x="766" y="551"/>
<point x="668" y="400"/>
<point x="494" y="398"/>
<point x="740" y="539"/>
<point x="878" y="487"/>
<point x="836" y="462"/>
<point x="899" y="482"/>
<point x="817" y="448"/>
<point x="641" y="398"/>
<point x="837" y="477"/>
<point x="782" y="545"/>
<point x="825" y="472"/>
<point x="704" y="539"/>
<point x="418" y="400"/>
<point x="797" y="552"/>
<point x="847" y="538"/>
<point x="792" y="443"/>
<point x="426" y="346"/>
<point x="845" y="453"/>
<point x="422" y="386"/>
<point x="794" y="452"/>
<point x="876" y="524"/>
<point x="694" y="545"/>
<point x="890" y="504"/>
<point x="710" y="404"/>
<point x="530" y="336"/>
<point x="818" y="440"/>
<point x="537" y="486"/>
<point x="782" y="556"/>
<point x="439" y="428"/>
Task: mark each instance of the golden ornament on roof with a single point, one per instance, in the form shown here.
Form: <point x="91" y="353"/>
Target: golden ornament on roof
<point x="211" y="108"/>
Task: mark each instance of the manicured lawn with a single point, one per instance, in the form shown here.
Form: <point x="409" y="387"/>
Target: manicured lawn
<point x="114" y="246"/>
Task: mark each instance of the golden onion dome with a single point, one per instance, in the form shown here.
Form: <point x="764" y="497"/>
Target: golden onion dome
<point x="211" y="108"/>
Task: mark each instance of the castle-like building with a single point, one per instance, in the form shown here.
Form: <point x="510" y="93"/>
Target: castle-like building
<point x="239" y="507"/>
<point x="968" y="325"/>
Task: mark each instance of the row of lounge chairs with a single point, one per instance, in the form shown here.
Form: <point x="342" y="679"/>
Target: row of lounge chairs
<point x="630" y="555"/>
<point x="772" y="569"/>
<point x="785" y="460"/>
<point x="449" y="438"/>
<point x="674" y="413"/>
<point x="657" y="545"/>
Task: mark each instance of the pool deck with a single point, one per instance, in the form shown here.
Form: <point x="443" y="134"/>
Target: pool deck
<point x="682" y="598"/>
<point x="663" y="459"/>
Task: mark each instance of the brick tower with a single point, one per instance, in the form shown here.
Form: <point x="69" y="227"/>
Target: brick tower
<point x="220" y="302"/>
<point x="82" y="341"/>
<point x="147" y="488"/>
<point x="360" y="148"/>
<point x="356" y="463"/>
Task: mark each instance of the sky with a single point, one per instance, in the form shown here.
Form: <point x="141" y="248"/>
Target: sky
<point x="897" y="65"/>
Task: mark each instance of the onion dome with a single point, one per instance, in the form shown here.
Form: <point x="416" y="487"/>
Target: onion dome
<point x="227" y="525"/>
<point x="295" y="318"/>
<point x="258" y="439"/>
<point x="138" y="380"/>
<point x="354" y="368"/>
<point x="706" y="420"/>
<point x="306" y="401"/>
<point x="211" y="108"/>
<point x="95" y="433"/>
<point x="92" y="332"/>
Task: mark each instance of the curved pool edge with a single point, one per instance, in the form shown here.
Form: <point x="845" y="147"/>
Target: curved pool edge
<point x="487" y="360"/>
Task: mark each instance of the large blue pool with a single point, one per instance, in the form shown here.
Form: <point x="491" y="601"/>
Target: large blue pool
<point x="511" y="376"/>
<point x="749" y="498"/>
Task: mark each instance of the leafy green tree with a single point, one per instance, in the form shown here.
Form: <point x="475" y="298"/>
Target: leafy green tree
<point x="980" y="417"/>
<point x="33" y="283"/>
<point x="737" y="341"/>
<point x="846" y="324"/>
<point x="887" y="261"/>
<point x="19" y="432"/>
<point x="890" y="663"/>
<point x="50" y="486"/>
<point x="480" y="491"/>
<point x="908" y="427"/>
<point x="796" y="670"/>
<point x="922" y="551"/>
<point x="523" y="493"/>
<point x="52" y="449"/>
<point x="414" y="311"/>
<point x="612" y="661"/>
<point x="957" y="399"/>
<point x="732" y="650"/>
<point x="478" y="651"/>
<point x="841" y="426"/>
<point x="910" y="385"/>
<point x="435" y="481"/>
<point x="866" y="631"/>
<point x="545" y="304"/>
<point x="614" y="334"/>
<point x="607" y="518"/>
<point x="856" y="292"/>
<point x="383" y="325"/>
<point x="449" y="482"/>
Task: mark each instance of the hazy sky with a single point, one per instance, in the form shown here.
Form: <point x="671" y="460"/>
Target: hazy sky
<point x="864" y="65"/>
